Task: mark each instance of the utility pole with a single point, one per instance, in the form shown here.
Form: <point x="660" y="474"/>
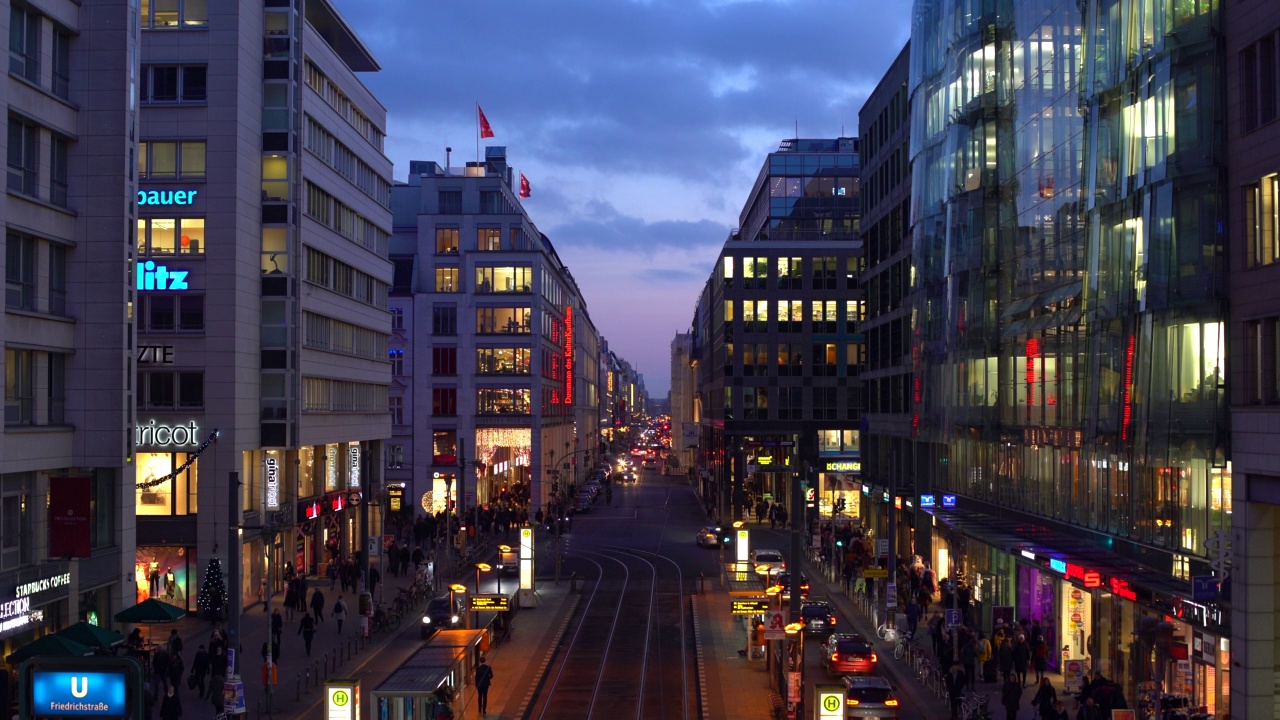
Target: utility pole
<point x="892" y="579"/>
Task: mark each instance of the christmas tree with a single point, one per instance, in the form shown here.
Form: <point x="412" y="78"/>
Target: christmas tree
<point x="213" y="591"/>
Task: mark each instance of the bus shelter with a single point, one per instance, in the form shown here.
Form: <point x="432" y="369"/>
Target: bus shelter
<point x="436" y="678"/>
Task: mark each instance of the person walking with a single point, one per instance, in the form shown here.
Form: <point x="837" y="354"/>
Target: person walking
<point x="277" y="626"/>
<point x="484" y="676"/>
<point x="339" y="612"/>
<point x="1011" y="697"/>
<point x="307" y="629"/>
<point x="1044" y="699"/>
<point x="199" y="669"/>
<point x="1004" y="656"/>
<point x="956" y="682"/>
<point x="170" y="705"/>
<point x="1021" y="656"/>
<point x="317" y="604"/>
<point x="290" y="599"/>
<point x="1040" y="658"/>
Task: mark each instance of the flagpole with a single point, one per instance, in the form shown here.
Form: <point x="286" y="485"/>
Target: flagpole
<point x="477" y="131"/>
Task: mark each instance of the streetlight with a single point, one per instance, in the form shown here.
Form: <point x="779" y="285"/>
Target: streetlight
<point x="453" y="603"/>
<point x="795" y="631"/>
<point x="502" y="554"/>
<point x="480" y="567"/>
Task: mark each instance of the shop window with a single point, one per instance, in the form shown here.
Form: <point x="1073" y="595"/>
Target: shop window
<point x="164" y="486"/>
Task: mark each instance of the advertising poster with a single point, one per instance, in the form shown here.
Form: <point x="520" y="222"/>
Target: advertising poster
<point x="1124" y="715"/>
<point x="69" y="516"/>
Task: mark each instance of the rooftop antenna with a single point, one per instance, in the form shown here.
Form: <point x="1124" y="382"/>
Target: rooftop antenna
<point x="841" y="123"/>
<point x="797" y="128"/>
<point x="447" y="152"/>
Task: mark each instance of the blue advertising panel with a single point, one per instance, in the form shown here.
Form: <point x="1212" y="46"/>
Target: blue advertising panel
<point x="948" y="501"/>
<point x="80" y="693"/>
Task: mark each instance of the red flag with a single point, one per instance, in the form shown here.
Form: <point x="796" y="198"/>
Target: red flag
<point x="524" y="186"/>
<point x="485" y="130"/>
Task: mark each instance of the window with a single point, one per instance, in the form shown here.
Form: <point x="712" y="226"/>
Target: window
<point x="446" y="241"/>
<point x="444" y="320"/>
<point x="502" y="319"/>
<point x="855" y="357"/>
<point x="503" y="361"/>
<point x="502" y="401"/>
<point x="790" y="403"/>
<point x="493" y="202"/>
<point x="167" y="313"/>
<point x="395" y="456"/>
<point x="161" y="14"/>
<point x="755" y="315"/>
<point x="447" y="280"/>
<point x="504" y="279"/>
<point x="1258" y="83"/>
<point x="823" y="315"/>
<point x="728" y="403"/>
<point x="170" y="390"/>
<point x="171" y="159"/>
<point x="488" y="239"/>
<point x="790" y="271"/>
<point x="174" y="84"/>
<point x="755" y="272"/>
<point x="444" y="361"/>
<point x="450" y="204"/>
<point x="397" y="362"/>
<point x="1262" y="369"/>
<point x="755" y="403"/>
<point x="1262" y="221"/>
<point x="824" y="273"/>
<point x="61" y="63"/>
<point x="20" y="272"/>
<point x="855" y="311"/>
<point x="824" y="359"/>
<point x="24" y="43"/>
<point x="15" y="521"/>
<point x="444" y="447"/>
<point x="23" y="139"/>
<point x="57" y="388"/>
<point x="726" y="271"/>
<point x="444" y="401"/>
<point x="19" y="393"/>
<point x="397" y="318"/>
<point x="790" y="360"/>
<point x="790" y="315"/>
<point x="755" y="359"/>
<point x="58" y="148"/>
<point x="824" y="403"/>
<point x="170" y="236"/>
<point x="395" y="405"/>
<point x="176" y="495"/>
<point x="57" y="279"/>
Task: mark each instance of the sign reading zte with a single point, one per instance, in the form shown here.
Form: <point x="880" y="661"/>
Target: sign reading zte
<point x="159" y="277"/>
<point x="78" y="693"/>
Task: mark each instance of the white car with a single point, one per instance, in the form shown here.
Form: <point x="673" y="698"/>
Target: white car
<point x="768" y="557"/>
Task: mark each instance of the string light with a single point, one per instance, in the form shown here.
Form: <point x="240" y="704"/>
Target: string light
<point x="191" y="459"/>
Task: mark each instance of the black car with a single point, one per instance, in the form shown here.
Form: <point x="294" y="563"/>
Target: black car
<point x="442" y="613"/>
<point x="818" y="616"/>
<point x="784" y="579"/>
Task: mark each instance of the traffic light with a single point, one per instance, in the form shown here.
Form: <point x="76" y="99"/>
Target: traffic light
<point x="725" y="537"/>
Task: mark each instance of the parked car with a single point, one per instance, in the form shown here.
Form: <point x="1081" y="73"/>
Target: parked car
<point x="845" y="653"/>
<point x="708" y="536"/>
<point x="869" y="696"/>
<point x="818" y="616"/>
<point x="770" y="557"/>
<point x="442" y="613"/>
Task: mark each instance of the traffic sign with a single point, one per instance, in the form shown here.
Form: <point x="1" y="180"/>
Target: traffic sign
<point x="775" y="624"/>
<point x="875" y="572"/>
<point x="830" y="700"/>
<point x="952" y="618"/>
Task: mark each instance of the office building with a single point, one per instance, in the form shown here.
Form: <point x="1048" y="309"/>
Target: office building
<point x="262" y="245"/>
<point x="1069" y="252"/>
<point x="496" y="394"/>
<point x="66" y="525"/>
<point x="778" y="338"/>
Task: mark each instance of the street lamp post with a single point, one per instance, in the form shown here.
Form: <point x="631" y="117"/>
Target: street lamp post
<point x="454" y="589"/>
<point x="480" y="567"/>
<point x="502" y="552"/>
<point x="795" y="631"/>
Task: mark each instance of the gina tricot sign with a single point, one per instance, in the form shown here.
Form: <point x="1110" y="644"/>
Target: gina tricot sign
<point x="164" y="198"/>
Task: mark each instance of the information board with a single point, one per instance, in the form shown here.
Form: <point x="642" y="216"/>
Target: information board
<point x="749" y="606"/>
<point x="488" y="603"/>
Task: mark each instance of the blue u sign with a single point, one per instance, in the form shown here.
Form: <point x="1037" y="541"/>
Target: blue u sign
<point x="78" y="693"/>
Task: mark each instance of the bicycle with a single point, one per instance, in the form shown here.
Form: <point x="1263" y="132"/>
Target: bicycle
<point x="385" y="619"/>
<point x="975" y="707"/>
<point x="903" y="646"/>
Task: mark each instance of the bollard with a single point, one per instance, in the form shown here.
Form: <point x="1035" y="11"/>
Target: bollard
<point x="573" y="582"/>
<point x="297" y="687"/>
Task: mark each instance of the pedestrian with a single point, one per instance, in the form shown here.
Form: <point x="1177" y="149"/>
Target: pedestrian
<point x="1005" y="657"/>
<point x="217" y="678"/>
<point x="1040" y="658"/>
<point x="290" y="599"/>
<point x="332" y="572"/>
<point x="913" y="618"/>
<point x="405" y="555"/>
<point x="277" y="626"/>
<point x="199" y="669"/>
<point x="171" y="705"/>
<point x="1021" y="656"/>
<point x="174" y="644"/>
<point x="1011" y="697"/>
<point x="393" y="554"/>
<point x="983" y="653"/>
<point x="1059" y="711"/>
<point x="339" y="613"/>
<point x="484" y="676"/>
<point x="274" y="654"/>
<point x="1044" y="698"/>
<point x="1088" y="710"/>
<point x="317" y="604"/>
<point x="969" y="656"/>
<point x="307" y="629"/>
<point x="956" y="681"/>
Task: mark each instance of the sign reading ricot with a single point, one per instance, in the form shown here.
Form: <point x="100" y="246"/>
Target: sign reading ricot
<point x="154" y="435"/>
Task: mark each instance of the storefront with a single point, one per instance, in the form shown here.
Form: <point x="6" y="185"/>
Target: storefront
<point x="35" y="603"/>
<point x="168" y="574"/>
<point x="840" y="489"/>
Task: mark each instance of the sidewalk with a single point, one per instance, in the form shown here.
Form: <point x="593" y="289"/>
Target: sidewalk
<point x="731" y="685"/>
<point x="903" y="674"/>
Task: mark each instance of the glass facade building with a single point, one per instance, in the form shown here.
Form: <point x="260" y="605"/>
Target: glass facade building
<point x="1068" y="320"/>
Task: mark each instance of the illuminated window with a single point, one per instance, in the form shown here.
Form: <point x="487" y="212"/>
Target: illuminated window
<point x="488" y="239"/>
<point x="176" y="494"/>
<point x="1262" y="221"/>
<point x="447" y="280"/>
<point x="170" y="236"/>
<point x="446" y="240"/>
<point x="160" y="14"/>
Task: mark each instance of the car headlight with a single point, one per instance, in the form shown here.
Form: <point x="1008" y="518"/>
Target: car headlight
<point x="455" y="618"/>
<point x="426" y="621"/>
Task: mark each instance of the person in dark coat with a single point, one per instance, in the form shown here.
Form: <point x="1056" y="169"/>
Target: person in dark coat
<point x="1021" y="656"/>
<point x="277" y="626"/>
<point x="317" y="604"/>
<point x="290" y="599"/>
<point x="1040" y="658"/>
<point x="956" y="682"/>
<point x="307" y="629"/>
<point x="405" y="554"/>
<point x="170" y="705"/>
<point x="200" y="668"/>
<point x="1044" y="698"/>
<point x="1005" y="657"/>
<point x="1011" y="697"/>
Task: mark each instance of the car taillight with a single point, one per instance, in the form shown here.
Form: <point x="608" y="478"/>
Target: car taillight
<point x="831" y="619"/>
<point x="874" y="658"/>
<point x="835" y="657"/>
<point x="891" y="703"/>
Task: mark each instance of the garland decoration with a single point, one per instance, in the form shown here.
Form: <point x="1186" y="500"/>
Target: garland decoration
<point x="191" y="459"/>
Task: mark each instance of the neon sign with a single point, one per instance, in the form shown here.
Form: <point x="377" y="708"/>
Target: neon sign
<point x="568" y="356"/>
<point x="1128" y="390"/>
<point x="1033" y="352"/>
<point x="272" y="472"/>
<point x="1121" y="588"/>
<point x="948" y="501"/>
<point x="161" y="435"/>
<point x="166" y="197"/>
<point x="159" y="277"/>
<point x="354" y="475"/>
<point x="843" y="466"/>
<point x="927" y="501"/>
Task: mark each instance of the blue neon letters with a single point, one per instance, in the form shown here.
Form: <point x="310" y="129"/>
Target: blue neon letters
<point x="159" y="277"/>
<point x="79" y="692"/>
<point x="166" y="197"/>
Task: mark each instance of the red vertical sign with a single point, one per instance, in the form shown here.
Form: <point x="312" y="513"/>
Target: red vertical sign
<point x="568" y="356"/>
<point x="69" y="516"/>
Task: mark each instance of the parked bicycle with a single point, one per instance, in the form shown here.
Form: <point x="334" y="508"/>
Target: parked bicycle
<point x="975" y="707"/>
<point x="385" y="619"/>
<point x="903" y="647"/>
